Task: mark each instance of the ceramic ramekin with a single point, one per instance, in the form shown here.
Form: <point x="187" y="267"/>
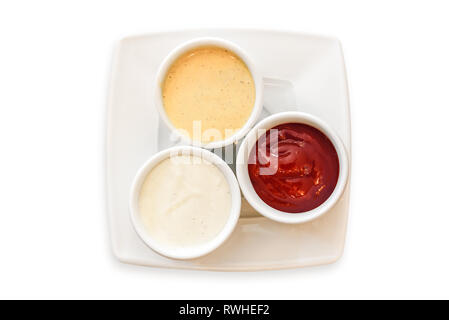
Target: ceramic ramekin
<point x="245" y="182"/>
<point x="185" y="252"/>
<point x="201" y="42"/>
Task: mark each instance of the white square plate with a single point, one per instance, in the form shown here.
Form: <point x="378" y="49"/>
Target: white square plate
<point x="313" y="80"/>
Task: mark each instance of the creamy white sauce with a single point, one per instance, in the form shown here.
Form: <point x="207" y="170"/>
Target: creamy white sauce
<point x="184" y="201"/>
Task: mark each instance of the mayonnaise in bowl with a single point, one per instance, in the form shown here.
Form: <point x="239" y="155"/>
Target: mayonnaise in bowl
<point x="185" y="202"/>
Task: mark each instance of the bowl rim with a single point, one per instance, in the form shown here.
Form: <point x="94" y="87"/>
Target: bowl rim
<point x="218" y="42"/>
<point x="245" y="183"/>
<point x="182" y="253"/>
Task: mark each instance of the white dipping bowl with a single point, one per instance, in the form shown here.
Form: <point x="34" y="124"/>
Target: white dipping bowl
<point x="193" y="251"/>
<point x="247" y="187"/>
<point x="216" y="42"/>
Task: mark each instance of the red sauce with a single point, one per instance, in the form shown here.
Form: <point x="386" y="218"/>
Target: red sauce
<point x="296" y="174"/>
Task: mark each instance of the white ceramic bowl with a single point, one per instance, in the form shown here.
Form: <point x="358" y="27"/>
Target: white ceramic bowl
<point x="245" y="182"/>
<point x="199" y="42"/>
<point x="185" y="252"/>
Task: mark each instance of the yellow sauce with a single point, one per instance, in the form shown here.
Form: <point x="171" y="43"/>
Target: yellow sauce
<point x="211" y="85"/>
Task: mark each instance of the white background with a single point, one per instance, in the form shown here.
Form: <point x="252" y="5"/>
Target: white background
<point x="55" y="59"/>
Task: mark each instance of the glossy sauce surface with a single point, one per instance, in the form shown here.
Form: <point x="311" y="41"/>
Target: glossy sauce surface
<point x="296" y="172"/>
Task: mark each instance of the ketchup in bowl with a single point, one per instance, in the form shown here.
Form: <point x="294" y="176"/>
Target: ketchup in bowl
<point x="293" y="167"/>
